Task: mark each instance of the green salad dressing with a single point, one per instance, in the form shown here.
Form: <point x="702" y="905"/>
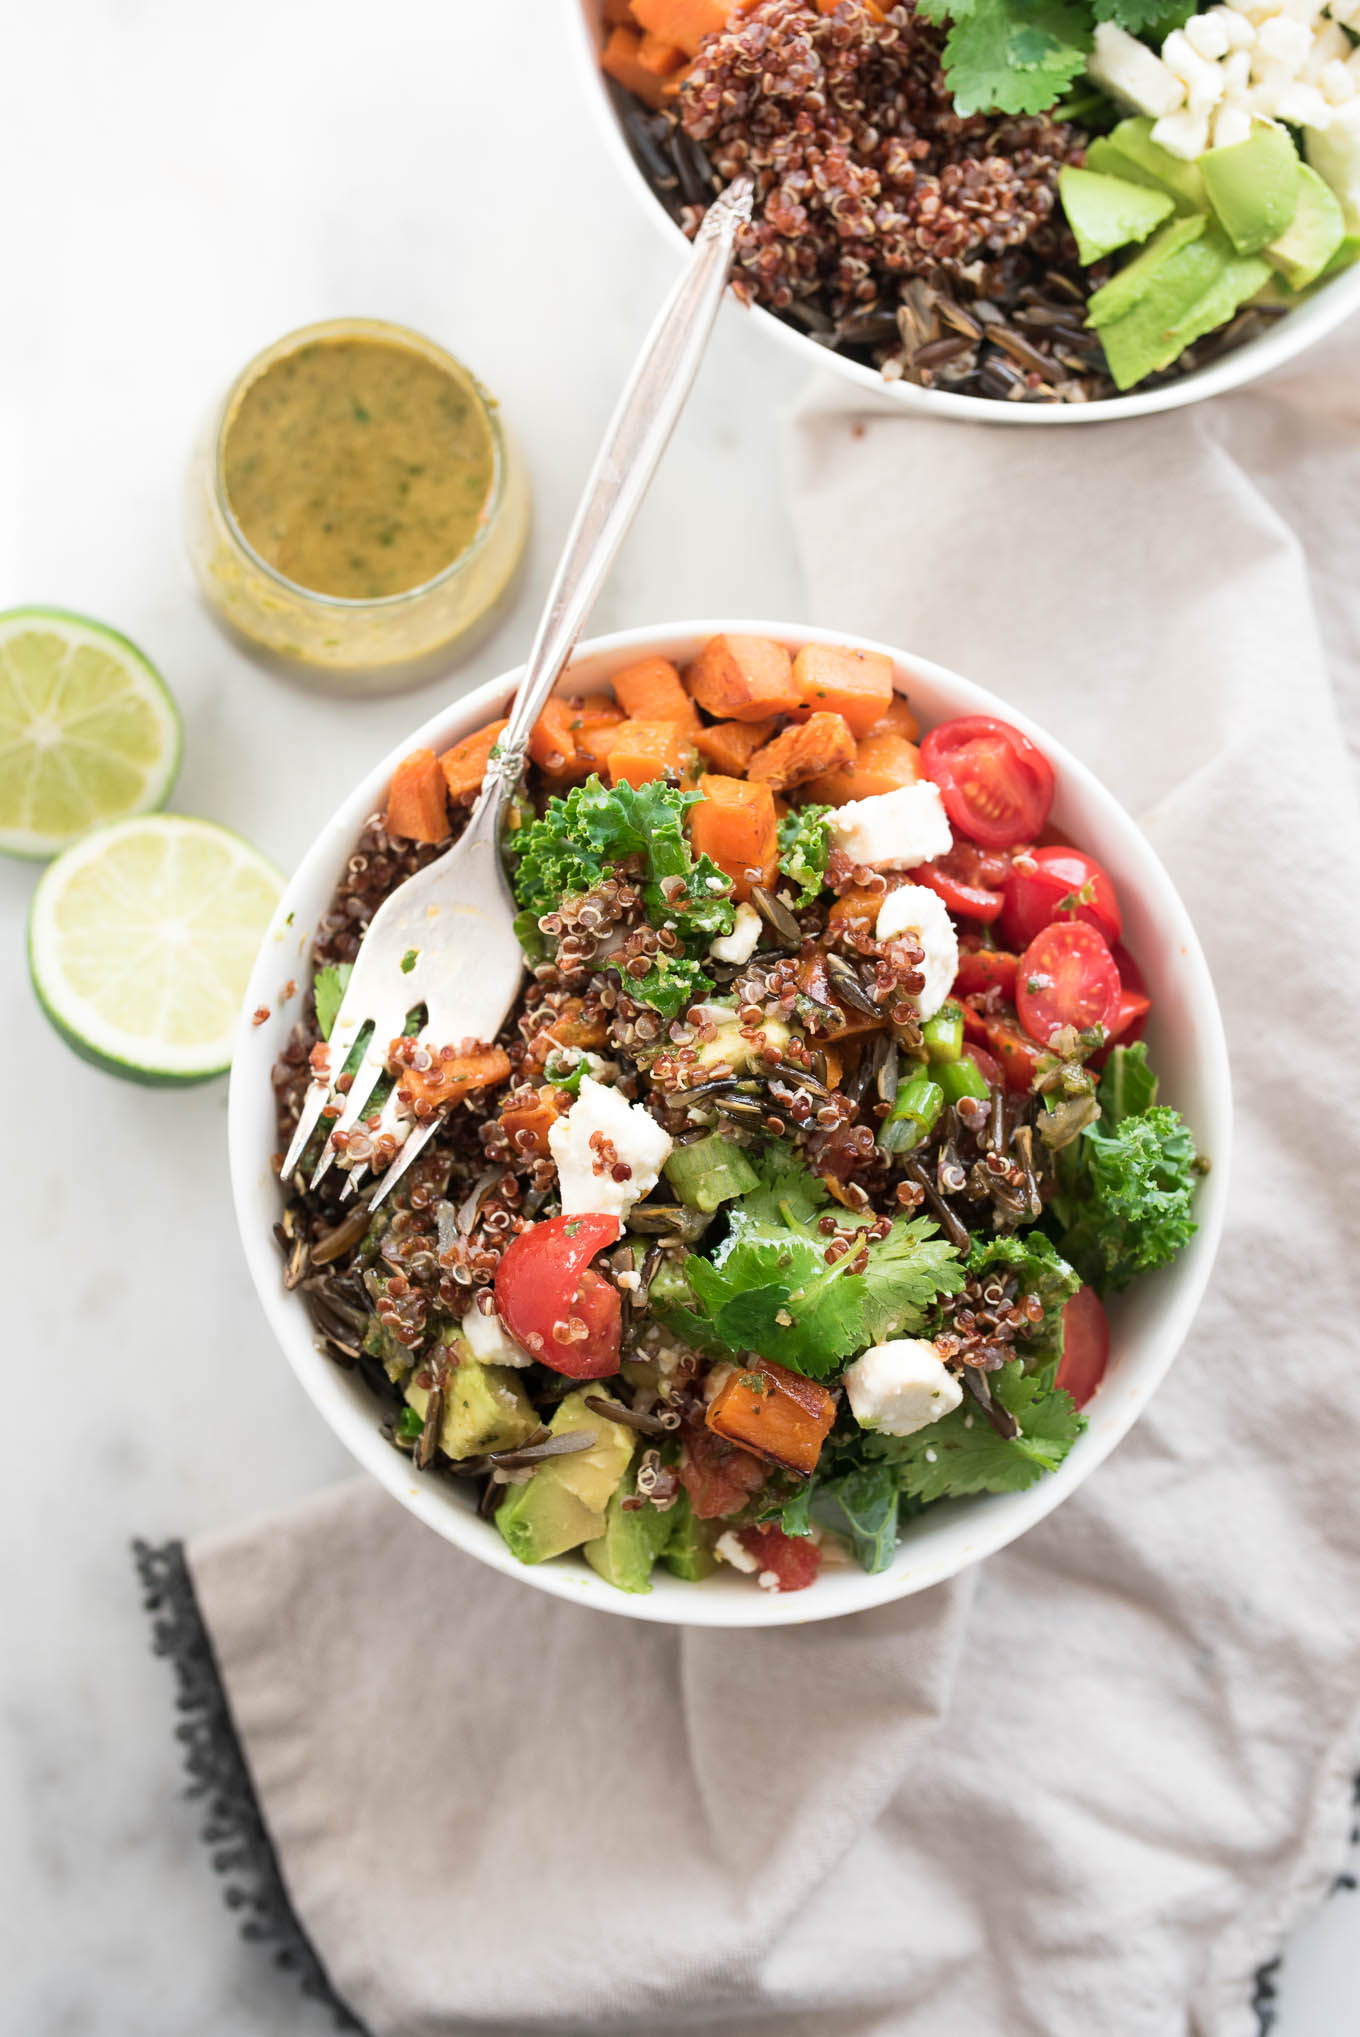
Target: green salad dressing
<point x="358" y="468"/>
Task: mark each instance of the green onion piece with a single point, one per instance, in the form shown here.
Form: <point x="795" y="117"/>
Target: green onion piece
<point x="962" y="1078"/>
<point x="915" y="1110"/>
<point x="943" y="1034"/>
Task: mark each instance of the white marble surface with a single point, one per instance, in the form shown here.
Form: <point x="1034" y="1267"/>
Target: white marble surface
<point x="183" y="184"/>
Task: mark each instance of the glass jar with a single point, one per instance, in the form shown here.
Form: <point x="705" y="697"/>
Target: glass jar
<point x="363" y="644"/>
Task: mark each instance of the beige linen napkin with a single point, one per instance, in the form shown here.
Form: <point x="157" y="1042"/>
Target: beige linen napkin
<point x="1087" y="1787"/>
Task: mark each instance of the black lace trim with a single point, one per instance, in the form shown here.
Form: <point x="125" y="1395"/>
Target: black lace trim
<point x="233" y="1828"/>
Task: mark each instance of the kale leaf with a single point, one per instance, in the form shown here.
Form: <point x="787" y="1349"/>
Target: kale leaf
<point x="1039" y="1269"/>
<point x="804" y="845"/>
<point x="962" y="1453"/>
<point x="1124" y="1207"/>
<point x="1127" y="1085"/>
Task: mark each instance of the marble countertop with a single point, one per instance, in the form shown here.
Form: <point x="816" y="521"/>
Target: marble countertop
<point x="182" y="185"/>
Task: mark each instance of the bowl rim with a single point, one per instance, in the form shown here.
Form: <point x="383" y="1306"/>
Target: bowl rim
<point x="1002" y="1518"/>
<point x="1283" y="341"/>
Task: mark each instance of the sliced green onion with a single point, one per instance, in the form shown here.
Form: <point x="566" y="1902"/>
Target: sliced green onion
<point x="962" y="1078"/>
<point x="943" y="1034"/>
<point x="916" y="1108"/>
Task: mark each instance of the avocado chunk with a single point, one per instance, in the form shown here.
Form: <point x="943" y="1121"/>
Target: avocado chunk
<point x="1348" y="252"/>
<point x="1129" y="151"/>
<point x="564" y="1504"/>
<point x="485" y="1408"/>
<point x="1192" y="290"/>
<point x="1107" y="212"/>
<point x="1313" y="235"/>
<point x="689" y="1551"/>
<point x="1253" y="186"/>
<point x="711" y="1171"/>
<point x="631" y="1542"/>
<point x="1139" y="277"/>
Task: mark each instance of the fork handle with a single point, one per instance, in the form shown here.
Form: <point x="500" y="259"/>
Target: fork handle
<point x="637" y="435"/>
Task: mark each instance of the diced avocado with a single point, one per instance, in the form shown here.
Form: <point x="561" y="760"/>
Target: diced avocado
<point x="1197" y="289"/>
<point x="1138" y="278"/>
<point x="710" y="1172"/>
<point x="564" y="1502"/>
<point x="689" y="1551"/>
<point x="729" y="1046"/>
<point x="592" y="1475"/>
<point x="1253" y="185"/>
<point x="1106" y="212"/>
<point x="1312" y="236"/>
<point x="542" y="1519"/>
<point x="670" y="1285"/>
<point x="1348" y="252"/>
<point x="485" y="1408"/>
<point x="378" y="1342"/>
<point x="1128" y="150"/>
<point x="631" y="1542"/>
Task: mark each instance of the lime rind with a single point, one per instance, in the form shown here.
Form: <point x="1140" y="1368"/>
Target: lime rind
<point x="119" y="749"/>
<point x="141" y="941"/>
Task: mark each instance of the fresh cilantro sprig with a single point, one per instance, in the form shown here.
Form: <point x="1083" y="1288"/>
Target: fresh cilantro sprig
<point x="962" y="1453"/>
<point x="328" y="990"/>
<point x="804" y="846"/>
<point x="769" y="1288"/>
<point x="1020" y="56"/>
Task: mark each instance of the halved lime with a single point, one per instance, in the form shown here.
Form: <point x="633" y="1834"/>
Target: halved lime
<point x="141" y="939"/>
<point x="88" y="730"/>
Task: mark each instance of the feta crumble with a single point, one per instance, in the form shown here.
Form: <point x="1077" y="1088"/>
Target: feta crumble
<point x="894" y="830"/>
<point x="900" y="1387"/>
<point x="912" y="909"/>
<point x="609" y="1152"/>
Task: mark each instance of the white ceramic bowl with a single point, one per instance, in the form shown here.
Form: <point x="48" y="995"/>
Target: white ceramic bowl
<point x="1282" y="341"/>
<point x="1149" y="1324"/>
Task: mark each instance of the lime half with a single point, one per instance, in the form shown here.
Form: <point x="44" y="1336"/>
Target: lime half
<point x="88" y="730"/>
<point x="141" y="940"/>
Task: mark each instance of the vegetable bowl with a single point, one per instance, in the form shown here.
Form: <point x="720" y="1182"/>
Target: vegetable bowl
<point x="714" y="1309"/>
<point x="1097" y="210"/>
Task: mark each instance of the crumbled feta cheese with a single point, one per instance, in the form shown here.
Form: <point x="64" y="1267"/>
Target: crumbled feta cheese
<point x="602" y="1137"/>
<point x="915" y="910"/>
<point x="1238" y="30"/>
<point x="900" y="1387"/>
<point x="1285" y="42"/>
<point x="490" y="1341"/>
<point x="1302" y="106"/>
<point x="1207" y="36"/>
<point x="740" y="944"/>
<point x="729" y="1550"/>
<point x="1231" y="125"/>
<point x="1337" y="83"/>
<point x="1131" y="73"/>
<point x="1184" y="134"/>
<point x="768" y="1580"/>
<point x="894" y="830"/>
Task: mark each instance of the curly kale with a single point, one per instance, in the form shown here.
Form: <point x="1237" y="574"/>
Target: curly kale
<point x="1123" y="1206"/>
<point x="804" y="846"/>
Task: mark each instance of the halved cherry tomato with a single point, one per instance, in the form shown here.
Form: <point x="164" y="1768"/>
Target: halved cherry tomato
<point x="968" y="879"/>
<point x="1057" y="884"/>
<point x="1086" y="1345"/>
<point x="990" y="1070"/>
<point x="996" y="786"/>
<point x="1135" y="1003"/>
<point x="718" y="1476"/>
<point x="1017" y="1056"/>
<point x="794" y="1559"/>
<point x="1067" y="978"/>
<point x="980" y="968"/>
<point x="544" y="1279"/>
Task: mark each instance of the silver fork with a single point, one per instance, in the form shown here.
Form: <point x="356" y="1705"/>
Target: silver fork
<point x="445" y="938"/>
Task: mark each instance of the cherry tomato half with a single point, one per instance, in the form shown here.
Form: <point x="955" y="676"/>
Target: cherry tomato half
<point x="1086" y="1345"/>
<point x="970" y="880"/>
<point x="1134" y="1005"/>
<point x="544" y="1279"/>
<point x="1067" y="977"/>
<point x="794" y="1559"/>
<point x="1055" y="884"/>
<point x="996" y="786"/>
<point x="980" y="968"/>
<point x="1017" y="1057"/>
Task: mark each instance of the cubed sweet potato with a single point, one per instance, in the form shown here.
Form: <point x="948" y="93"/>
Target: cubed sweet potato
<point x="663" y="59"/>
<point x="803" y="751"/>
<point x="685" y="22"/>
<point x="592" y="717"/>
<point x="642" y="750"/>
<point x="881" y="763"/>
<point x="651" y="691"/>
<point x="418" y="799"/>
<point x="464" y="766"/>
<point x="527" y="1124"/>
<point x="450" y="1077"/>
<point x="734" y="823"/>
<point x="621" y="60"/>
<point x="779" y="1414"/>
<point x="551" y="741"/>
<point x="857" y="685"/>
<point x="854" y="912"/>
<point x="619" y="14"/>
<point x="897" y="720"/>
<point x="743" y="679"/>
<point x="730" y="745"/>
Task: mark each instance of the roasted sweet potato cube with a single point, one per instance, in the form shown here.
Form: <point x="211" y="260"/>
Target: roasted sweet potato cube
<point x="418" y="799"/>
<point x="651" y="691"/>
<point x="642" y="750"/>
<point x="778" y="1414"/>
<point x="857" y="685"/>
<point x="684" y="22"/>
<point x="897" y="719"/>
<point x="881" y="763"/>
<point x="805" y="750"/>
<point x="527" y="1123"/>
<point x="734" y="823"/>
<point x="730" y="745"/>
<point x="743" y="679"/>
<point x="464" y="766"/>
<point x="621" y="60"/>
<point x="552" y="744"/>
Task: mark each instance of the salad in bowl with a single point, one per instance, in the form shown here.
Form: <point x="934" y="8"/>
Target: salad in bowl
<point x="773" y="1236"/>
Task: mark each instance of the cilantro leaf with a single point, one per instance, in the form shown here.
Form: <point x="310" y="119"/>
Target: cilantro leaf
<point x="1152" y="19"/>
<point x="1038" y="1269"/>
<point x="328" y="991"/>
<point x="962" y="1453"/>
<point x="1011" y="56"/>
<point x="1128" y="1208"/>
<point x="1127" y="1086"/>
<point x="768" y="1287"/>
<point x="804" y="845"/>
